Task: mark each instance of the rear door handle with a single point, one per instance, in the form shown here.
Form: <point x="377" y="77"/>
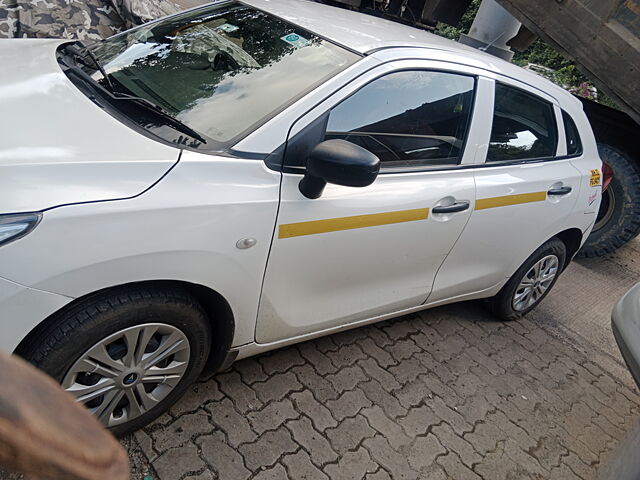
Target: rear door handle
<point x="456" y="207"/>
<point x="559" y="191"/>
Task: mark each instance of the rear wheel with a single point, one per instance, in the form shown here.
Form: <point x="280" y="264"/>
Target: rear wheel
<point x="618" y="219"/>
<point x="127" y="355"/>
<point x="531" y="282"/>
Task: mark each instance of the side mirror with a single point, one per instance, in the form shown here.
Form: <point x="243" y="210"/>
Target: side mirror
<point x="339" y="162"/>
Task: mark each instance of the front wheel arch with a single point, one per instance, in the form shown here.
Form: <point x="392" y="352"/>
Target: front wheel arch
<point x="216" y="307"/>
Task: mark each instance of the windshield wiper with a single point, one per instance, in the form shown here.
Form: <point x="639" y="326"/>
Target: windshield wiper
<point x="171" y="120"/>
<point x="80" y="50"/>
<point x="147" y="104"/>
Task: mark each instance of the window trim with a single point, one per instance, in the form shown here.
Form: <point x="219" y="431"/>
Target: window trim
<point x="297" y="169"/>
<point x="553" y="104"/>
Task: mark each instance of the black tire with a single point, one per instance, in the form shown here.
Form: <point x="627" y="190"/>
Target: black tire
<point x="619" y="215"/>
<point x="70" y="334"/>
<point x="502" y="304"/>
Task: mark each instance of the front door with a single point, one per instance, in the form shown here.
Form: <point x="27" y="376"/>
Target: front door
<point x="357" y="253"/>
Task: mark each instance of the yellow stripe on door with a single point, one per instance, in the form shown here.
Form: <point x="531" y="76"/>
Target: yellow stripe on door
<point x="347" y="223"/>
<point x="506" y="200"/>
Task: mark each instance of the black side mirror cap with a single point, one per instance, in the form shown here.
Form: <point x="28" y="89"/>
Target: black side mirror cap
<point x="341" y="163"/>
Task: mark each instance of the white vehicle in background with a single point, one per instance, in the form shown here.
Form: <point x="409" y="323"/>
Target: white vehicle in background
<point x="243" y="176"/>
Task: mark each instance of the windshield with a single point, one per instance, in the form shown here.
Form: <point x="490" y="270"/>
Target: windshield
<point x="221" y="70"/>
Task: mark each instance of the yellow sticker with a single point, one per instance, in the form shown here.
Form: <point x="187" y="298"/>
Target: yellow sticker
<point x="594" y="181"/>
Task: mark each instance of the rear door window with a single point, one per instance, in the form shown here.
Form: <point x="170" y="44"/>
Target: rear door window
<point x="524" y="126"/>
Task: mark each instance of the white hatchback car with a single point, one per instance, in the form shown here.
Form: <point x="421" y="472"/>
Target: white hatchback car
<point x="243" y="176"/>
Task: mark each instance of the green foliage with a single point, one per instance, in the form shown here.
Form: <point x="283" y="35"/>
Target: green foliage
<point x="463" y="26"/>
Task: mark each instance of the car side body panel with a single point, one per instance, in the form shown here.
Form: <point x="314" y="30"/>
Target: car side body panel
<point x="185" y="228"/>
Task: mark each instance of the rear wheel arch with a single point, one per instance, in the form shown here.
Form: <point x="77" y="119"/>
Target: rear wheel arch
<point x="572" y="239"/>
<point x="216" y="307"/>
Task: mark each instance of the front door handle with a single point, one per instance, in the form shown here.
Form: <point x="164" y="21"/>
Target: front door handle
<point x="559" y="191"/>
<point x="456" y="207"/>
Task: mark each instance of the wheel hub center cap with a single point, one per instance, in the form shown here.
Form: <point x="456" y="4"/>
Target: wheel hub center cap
<point x="130" y="379"/>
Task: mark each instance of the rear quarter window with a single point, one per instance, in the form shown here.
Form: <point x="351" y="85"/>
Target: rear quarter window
<point x="574" y="144"/>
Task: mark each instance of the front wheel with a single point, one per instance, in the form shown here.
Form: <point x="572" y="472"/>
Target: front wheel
<point x="126" y="355"/>
<point x="531" y="282"/>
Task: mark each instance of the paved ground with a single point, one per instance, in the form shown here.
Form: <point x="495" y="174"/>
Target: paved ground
<point x="448" y="393"/>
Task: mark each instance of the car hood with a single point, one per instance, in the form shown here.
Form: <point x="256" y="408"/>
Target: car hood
<point x="58" y="147"/>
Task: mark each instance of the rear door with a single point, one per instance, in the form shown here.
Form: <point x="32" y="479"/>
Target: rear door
<point x="358" y="253"/>
<point x="526" y="191"/>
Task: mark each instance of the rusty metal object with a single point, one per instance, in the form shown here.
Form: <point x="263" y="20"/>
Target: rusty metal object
<point x="45" y="434"/>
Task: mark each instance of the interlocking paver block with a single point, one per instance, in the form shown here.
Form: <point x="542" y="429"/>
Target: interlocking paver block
<point x="177" y="462"/>
<point x="496" y="465"/>
<point x="449" y="415"/>
<point x="318" y="413"/>
<point x="379" y="396"/>
<point x="424" y="451"/>
<point x="272" y="416"/>
<point x="413" y="394"/>
<point x="408" y="370"/>
<point x="300" y="467"/>
<point x="419" y="420"/>
<point x="548" y="451"/>
<point x="379" y="475"/>
<point x="461" y="399"/>
<point x="352" y="465"/>
<point x="349" y="433"/>
<point x="206" y="475"/>
<point x="391" y="430"/>
<point x="347" y="378"/>
<point x="392" y="461"/>
<point x="321" y="388"/>
<point x="402" y="349"/>
<point x="380" y="355"/>
<point x="224" y="459"/>
<point x="485" y="437"/>
<point x="197" y="395"/>
<point x="181" y="431"/>
<point x="243" y="397"/>
<point x="373" y="370"/>
<point x="277" y="472"/>
<point x="281" y="360"/>
<point x="455" y="443"/>
<point x="236" y="426"/>
<point x="313" y="441"/>
<point x="268" y="449"/>
<point x="348" y="405"/>
<point x="455" y="469"/>
<point x="145" y="443"/>
<point x="399" y="329"/>
<point x="277" y="386"/>
<point x="316" y="358"/>
<point x="346" y="355"/>
<point x="250" y="371"/>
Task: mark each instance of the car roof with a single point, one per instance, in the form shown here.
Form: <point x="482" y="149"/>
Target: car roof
<point x="366" y="33"/>
<point x="358" y="32"/>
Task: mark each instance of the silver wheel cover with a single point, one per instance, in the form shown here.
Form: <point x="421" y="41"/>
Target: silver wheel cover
<point x="535" y="283"/>
<point x="129" y="372"/>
